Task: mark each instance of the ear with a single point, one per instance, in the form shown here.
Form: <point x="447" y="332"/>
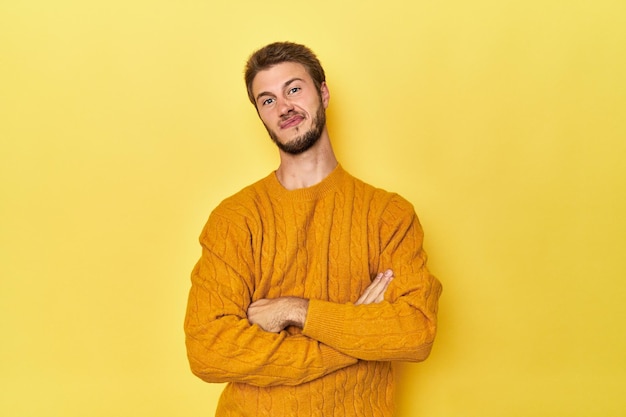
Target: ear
<point x="325" y="94"/>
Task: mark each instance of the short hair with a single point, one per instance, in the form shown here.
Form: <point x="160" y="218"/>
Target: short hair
<point x="279" y="52"/>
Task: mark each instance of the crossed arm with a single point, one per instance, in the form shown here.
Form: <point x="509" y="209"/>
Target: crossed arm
<point x="231" y="338"/>
<point x="275" y="314"/>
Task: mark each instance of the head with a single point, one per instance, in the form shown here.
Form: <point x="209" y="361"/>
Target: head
<point x="286" y="83"/>
<point x="279" y="52"/>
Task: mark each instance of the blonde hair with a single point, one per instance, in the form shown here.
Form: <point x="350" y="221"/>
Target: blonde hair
<point x="278" y="52"/>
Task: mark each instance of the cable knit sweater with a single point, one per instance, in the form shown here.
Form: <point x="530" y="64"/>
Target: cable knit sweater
<point x="324" y="243"/>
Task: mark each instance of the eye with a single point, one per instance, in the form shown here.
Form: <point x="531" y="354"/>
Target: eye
<point x="294" y="90"/>
<point x="267" y="101"/>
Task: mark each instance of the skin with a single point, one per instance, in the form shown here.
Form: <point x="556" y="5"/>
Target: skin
<point x="275" y="314"/>
<point x="289" y="114"/>
<point x="293" y="112"/>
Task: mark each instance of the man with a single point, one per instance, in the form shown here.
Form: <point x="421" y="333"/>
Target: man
<point x="311" y="282"/>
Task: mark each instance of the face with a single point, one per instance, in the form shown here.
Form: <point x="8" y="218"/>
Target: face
<point x="292" y="109"/>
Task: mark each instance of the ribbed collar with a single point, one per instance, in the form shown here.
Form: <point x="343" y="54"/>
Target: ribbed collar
<point x="315" y="192"/>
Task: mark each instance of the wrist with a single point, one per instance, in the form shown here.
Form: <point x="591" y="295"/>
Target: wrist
<point x="297" y="311"/>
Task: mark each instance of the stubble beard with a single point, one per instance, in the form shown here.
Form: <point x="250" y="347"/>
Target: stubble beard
<point x="305" y="141"/>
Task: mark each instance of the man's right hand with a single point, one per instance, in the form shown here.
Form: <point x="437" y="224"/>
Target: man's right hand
<point x="375" y="292"/>
<point x="273" y="315"/>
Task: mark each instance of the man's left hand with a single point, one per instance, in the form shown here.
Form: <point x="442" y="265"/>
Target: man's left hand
<point x="275" y="314"/>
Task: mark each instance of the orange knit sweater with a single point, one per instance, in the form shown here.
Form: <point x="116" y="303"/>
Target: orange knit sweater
<point x="324" y="243"/>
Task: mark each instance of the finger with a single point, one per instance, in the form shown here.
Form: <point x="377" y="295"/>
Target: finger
<point x="378" y="289"/>
<point x="383" y="290"/>
<point x="375" y="292"/>
<point x="363" y="299"/>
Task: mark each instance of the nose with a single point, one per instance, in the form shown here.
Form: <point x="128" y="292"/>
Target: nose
<point x="284" y="106"/>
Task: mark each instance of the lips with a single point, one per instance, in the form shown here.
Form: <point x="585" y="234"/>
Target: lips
<point x="291" y="121"/>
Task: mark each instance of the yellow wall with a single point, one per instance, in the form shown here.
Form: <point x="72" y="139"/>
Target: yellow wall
<point x="123" y="123"/>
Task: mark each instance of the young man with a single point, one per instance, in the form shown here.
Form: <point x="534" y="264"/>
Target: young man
<point x="311" y="282"/>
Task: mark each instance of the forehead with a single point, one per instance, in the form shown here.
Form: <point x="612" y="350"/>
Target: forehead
<point x="275" y="77"/>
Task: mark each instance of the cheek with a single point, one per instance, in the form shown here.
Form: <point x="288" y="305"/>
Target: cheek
<point x="264" y="116"/>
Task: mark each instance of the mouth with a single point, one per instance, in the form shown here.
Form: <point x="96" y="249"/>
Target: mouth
<point x="291" y="121"/>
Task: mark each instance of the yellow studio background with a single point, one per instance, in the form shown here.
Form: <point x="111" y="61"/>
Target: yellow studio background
<point x="123" y="123"/>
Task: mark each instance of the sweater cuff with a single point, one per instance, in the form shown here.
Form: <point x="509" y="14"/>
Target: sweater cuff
<point x="334" y="360"/>
<point x="324" y="322"/>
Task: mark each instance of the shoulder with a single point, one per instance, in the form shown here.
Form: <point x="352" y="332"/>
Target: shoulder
<point x="241" y="210"/>
<point x="380" y="200"/>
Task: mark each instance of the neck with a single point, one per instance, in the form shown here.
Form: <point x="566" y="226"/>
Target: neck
<point x="308" y="168"/>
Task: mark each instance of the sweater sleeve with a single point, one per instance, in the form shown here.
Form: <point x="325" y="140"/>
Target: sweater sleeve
<point x="403" y="326"/>
<point x="222" y="346"/>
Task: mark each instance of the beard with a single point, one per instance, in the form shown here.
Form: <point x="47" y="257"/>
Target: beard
<point x="305" y="141"/>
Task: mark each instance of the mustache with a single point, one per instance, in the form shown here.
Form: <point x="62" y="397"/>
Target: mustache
<point x="290" y="114"/>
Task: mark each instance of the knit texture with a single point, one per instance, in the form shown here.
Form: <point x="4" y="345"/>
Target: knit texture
<point x="325" y="243"/>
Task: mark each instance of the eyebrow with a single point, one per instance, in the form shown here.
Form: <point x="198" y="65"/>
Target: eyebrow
<point x="285" y="85"/>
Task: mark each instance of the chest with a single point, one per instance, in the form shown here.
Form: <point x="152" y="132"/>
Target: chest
<point x="320" y="249"/>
